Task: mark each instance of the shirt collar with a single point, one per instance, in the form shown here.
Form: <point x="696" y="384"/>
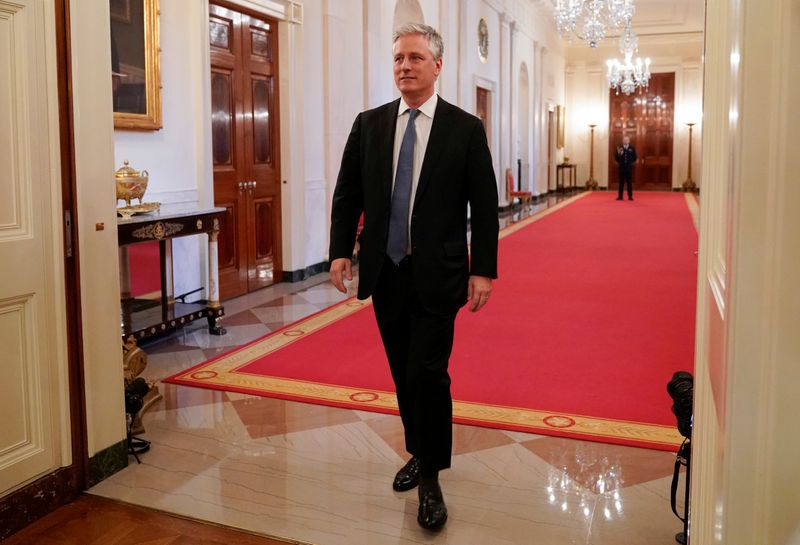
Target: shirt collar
<point x="428" y="107"/>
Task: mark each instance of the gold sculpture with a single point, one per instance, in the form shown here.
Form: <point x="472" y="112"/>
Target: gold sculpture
<point x="132" y="184"/>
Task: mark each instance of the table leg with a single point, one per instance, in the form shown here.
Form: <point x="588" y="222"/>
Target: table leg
<point x="214" y="325"/>
<point x="124" y="273"/>
<point x="169" y="285"/>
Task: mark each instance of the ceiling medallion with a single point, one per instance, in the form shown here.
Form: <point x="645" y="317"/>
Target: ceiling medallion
<point x="483" y="40"/>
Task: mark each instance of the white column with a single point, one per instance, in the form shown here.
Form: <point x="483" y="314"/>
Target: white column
<point x="504" y="156"/>
<point x="536" y="119"/>
<point x="290" y="36"/>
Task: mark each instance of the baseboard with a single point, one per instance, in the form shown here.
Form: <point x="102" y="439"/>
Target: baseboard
<point x="308" y="272"/>
<point x="107" y="462"/>
<point x="41" y="497"/>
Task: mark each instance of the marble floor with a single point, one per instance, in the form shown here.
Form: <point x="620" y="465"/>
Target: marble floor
<point x="323" y="475"/>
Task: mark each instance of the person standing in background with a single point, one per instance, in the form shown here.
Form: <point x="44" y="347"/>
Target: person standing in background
<point x="626" y="158"/>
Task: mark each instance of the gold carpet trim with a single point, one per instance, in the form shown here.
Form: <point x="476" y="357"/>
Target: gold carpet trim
<point x="224" y="373"/>
<point x="531" y="420"/>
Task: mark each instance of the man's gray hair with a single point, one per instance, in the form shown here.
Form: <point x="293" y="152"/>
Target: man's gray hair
<point x="435" y="44"/>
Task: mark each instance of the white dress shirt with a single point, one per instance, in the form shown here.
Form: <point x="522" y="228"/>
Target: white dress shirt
<point x="423" y="125"/>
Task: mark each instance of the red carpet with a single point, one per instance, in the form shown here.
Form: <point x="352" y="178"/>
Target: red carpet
<point x="593" y="312"/>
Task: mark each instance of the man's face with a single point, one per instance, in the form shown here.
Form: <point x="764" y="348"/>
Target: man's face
<point x="415" y="71"/>
<point x="625" y="141"/>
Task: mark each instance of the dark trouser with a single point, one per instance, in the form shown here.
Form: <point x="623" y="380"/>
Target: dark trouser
<point x="418" y="346"/>
<point x="625" y="176"/>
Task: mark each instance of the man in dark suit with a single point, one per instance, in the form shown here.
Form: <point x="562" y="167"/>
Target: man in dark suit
<point x="626" y="157"/>
<point x="413" y="166"/>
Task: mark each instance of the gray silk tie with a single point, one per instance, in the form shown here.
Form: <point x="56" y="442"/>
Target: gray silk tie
<point x="397" y="245"/>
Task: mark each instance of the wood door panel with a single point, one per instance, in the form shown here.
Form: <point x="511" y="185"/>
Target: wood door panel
<point x="263" y="242"/>
<point x="222" y="118"/>
<point x="226" y="243"/>
<point x="261" y="43"/>
<point x="245" y="148"/>
<point x="33" y="340"/>
<point x="647" y="118"/>
<point x="263" y="209"/>
<point x="220" y="32"/>
<point x="263" y="157"/>
<point x="261" y="89"/>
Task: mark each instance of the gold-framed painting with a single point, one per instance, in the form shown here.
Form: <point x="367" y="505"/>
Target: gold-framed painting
<point x="561" y="124"/>
<point x="135" y="64"/>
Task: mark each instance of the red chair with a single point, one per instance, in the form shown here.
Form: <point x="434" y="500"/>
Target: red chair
<point x="523" y="196"/>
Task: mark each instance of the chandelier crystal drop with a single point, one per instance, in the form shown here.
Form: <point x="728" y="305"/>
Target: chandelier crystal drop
<point x="590" y="19"/>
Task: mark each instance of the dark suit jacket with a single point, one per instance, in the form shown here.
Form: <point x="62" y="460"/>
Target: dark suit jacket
<point x="626" y="159"/>
<point x="457" y="170"/>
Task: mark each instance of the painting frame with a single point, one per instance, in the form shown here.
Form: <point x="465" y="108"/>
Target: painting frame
<point x="561" y="124"/>
<point x="144" y="26"/>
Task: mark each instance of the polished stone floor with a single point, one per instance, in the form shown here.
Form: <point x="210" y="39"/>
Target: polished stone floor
<point x="323" y="475"/>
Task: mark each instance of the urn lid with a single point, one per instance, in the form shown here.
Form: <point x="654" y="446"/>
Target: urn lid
<point x="128" y="172"/>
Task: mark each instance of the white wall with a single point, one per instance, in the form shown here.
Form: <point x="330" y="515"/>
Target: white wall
<point x="178" y="157"/>
<point x="588" y="100"/>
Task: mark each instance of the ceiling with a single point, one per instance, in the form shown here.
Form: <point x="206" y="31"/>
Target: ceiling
<point x="668" y="16"/>
<point x="655" y="17"/>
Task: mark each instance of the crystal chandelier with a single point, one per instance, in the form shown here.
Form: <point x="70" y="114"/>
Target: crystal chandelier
<point x="627" y="75"/>
<point x="589" y="19"/>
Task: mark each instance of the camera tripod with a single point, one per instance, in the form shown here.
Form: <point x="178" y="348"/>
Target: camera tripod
<point x="683" y="458"/>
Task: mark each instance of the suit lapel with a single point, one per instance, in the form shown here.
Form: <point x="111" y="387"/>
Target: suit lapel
<point x="436" y="142"/>
<point x="389" y="120"/>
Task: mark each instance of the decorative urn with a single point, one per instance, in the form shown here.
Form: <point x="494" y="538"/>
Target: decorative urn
<point x="131" y="184"/>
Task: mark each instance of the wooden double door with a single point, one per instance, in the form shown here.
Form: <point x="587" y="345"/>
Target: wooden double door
<point x="245" y="148"/>
<point x="648" y="119"/>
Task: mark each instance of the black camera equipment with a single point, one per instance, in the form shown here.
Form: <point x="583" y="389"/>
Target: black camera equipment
<point x="135" y="390"/>
<point x="681" y="390"/>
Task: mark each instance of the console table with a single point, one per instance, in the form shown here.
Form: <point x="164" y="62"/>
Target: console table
<point x="572" y="169"/>
<point x="141" y="319"/>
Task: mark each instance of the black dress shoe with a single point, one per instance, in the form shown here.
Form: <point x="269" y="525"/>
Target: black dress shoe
<point x="408" y="477"/>
<point x="432" y="512"/>
<point x="619" y="198"/>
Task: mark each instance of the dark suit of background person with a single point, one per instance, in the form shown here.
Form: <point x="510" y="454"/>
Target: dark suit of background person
<point x="626" y="157"/>
<point x="416" y="301"/>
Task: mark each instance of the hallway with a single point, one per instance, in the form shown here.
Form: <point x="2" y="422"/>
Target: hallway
<point x="323" y="475"/>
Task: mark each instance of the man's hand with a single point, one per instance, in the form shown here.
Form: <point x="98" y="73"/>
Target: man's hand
<point x="478" y="294"/>
<point x="341" y="269"/>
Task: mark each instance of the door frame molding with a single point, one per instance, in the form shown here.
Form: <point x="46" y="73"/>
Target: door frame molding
<point x="61" y="486"/>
